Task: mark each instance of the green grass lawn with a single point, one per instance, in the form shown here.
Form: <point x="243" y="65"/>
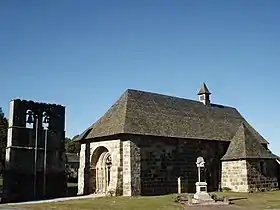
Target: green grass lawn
<point x="113" y="203"/>
<point x="266" y="200"/>
<point x="260" y="200"/>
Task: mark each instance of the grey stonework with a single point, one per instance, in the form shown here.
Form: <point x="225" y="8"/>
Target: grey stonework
<point x="25" y="171"/>
<point x="131" y="169"/>
<point x="262" y="174"/>
<point x="248" y="165"/>
<point x="151" y="165"/>
<point x="235" y="175"/>
<point x="247" y="175"/>
<point x="81" y="179"/>
<point x="85" y="182"/>
<point x="160" y="138"/>
<point x="163" y="160"/>
<point x="146" y="165"/>
<point x="114" y="147"/>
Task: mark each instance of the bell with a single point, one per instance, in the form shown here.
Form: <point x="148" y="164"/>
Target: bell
<point x="29" y="118"/>
<point x="46" y="118"/>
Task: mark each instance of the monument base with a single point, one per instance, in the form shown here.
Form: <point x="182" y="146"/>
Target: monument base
<point x="201" y="195"/>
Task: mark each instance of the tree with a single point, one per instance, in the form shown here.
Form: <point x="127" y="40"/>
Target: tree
<point x="72" y="146"/>
<point x="1" y="113"/>
<point x="3" y="139"/>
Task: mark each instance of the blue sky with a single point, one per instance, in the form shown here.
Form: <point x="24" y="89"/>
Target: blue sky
<point x="85" y="54"/>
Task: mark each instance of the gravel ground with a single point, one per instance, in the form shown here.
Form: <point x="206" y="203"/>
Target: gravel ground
<point x="227" y="207"/>
<point x="6" y="205"/>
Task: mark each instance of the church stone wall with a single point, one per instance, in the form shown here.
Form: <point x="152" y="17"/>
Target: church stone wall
<point x="147" y="165"/>
<point x="81" y="171"/>
<point x="84" y="178"/>
<point x="235" y="175"/>
<point x="262" y="174"/>
<point x="131" y="169"/>
<point x="249" y="175"/>
<point x="163" y="160"/>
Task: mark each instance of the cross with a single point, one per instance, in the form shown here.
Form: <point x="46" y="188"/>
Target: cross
<point x="200" y="164"/>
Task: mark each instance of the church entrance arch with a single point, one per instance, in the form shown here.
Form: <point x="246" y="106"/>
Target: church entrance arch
<point x="101" y="163"/>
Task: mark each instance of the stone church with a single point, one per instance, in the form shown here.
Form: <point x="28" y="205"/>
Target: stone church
<point x="145" y="141"/>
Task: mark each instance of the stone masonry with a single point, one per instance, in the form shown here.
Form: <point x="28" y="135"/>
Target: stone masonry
<point x="125" y="170"/>
<point x="235" y="175"/>
<point x="147" y="165"/>
<point x="158" y="138"/>
<point x="131" y="169"/>
<point x="249" y="175"/>
<point x="35" y="165"/>
<point x="163" y="160"/>
<point x="262" y="174"/>
<point x="114" y="148"/>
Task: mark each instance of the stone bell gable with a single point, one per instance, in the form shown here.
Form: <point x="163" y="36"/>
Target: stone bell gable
<point x="248" y="165"/>
<point x="35" y="152"/>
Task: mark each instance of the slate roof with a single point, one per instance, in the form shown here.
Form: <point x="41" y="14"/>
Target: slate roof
<point x="244" y="145"/>
<point x="146" y="113"/>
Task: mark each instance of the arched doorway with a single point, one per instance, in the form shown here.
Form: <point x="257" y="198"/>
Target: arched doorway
<point x="101" y="164"/>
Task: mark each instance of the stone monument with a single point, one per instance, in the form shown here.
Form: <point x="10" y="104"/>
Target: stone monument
<point x="35" y="153"/>
<point x="201" y="195"/>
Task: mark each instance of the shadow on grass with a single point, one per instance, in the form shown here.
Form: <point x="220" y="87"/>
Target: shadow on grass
<point x="232" y="200"/>
<point x="72" y="190"/>
<point x="236" y="199"/>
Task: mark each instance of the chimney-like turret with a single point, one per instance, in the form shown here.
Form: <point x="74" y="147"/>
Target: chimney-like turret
<point x="204" y="95"/>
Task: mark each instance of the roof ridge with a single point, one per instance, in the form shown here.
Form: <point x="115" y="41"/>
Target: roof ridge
<point x="125" y="109"/>
<point x="176" y="97"/>
<point x="244" y="141"/>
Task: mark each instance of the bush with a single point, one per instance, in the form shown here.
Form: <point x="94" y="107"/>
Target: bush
<point x="182" y="198"/>
<point x="214" y="196"/>
<point x="226" y="189"/>
<point x="72" y="173"/>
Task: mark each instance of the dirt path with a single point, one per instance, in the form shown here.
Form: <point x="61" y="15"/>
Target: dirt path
<point x="229" y="207"/>
<point x="6" y="205"/>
